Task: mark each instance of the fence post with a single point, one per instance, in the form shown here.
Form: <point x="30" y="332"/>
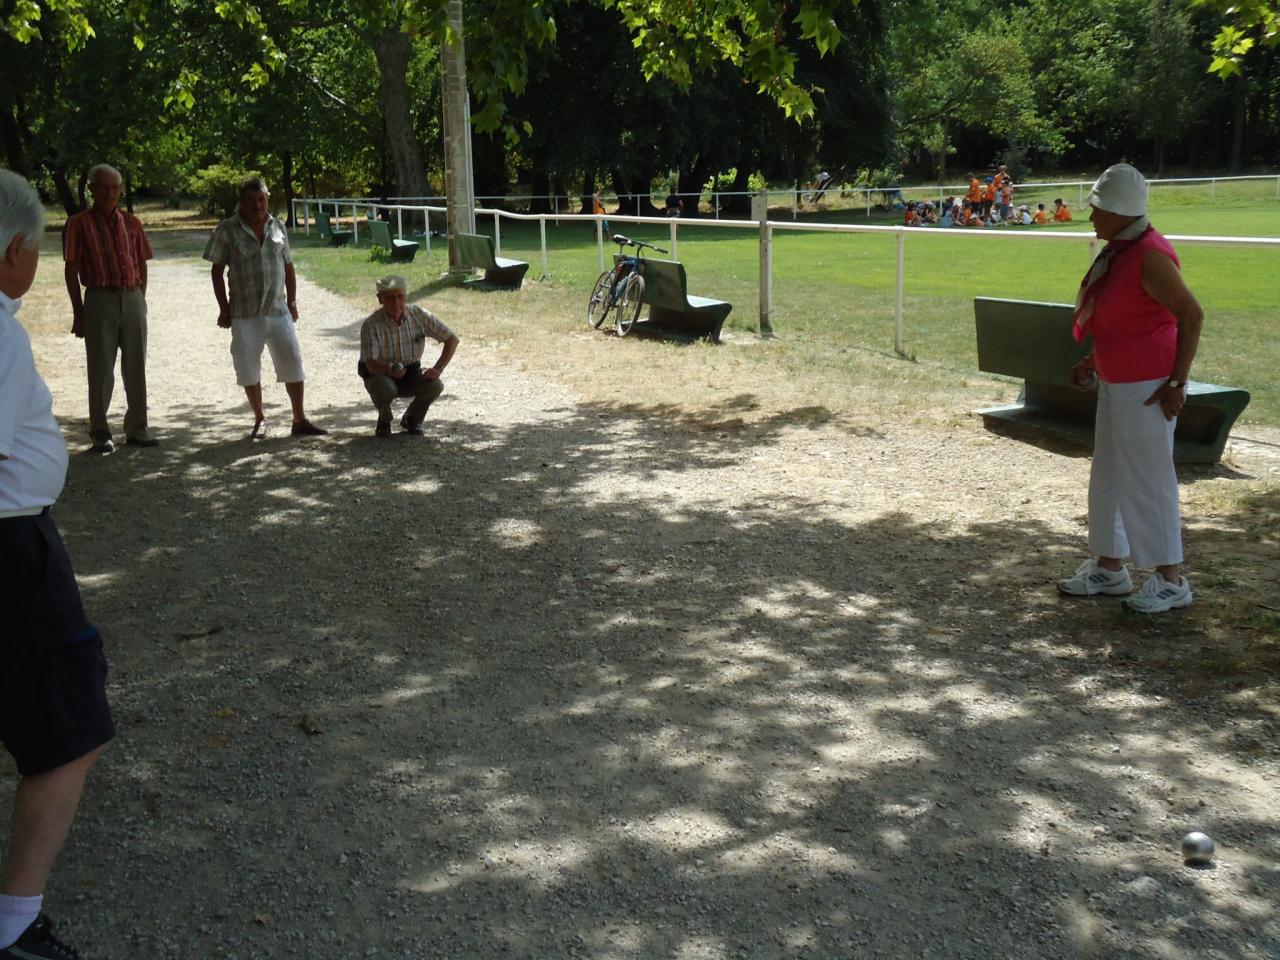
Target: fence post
<point x="675" y="240"/>
<point x="868" y="192"/>
<point x="897" y="332"/>
<point x="497" y="235"/>
<point x="355" y="225"/>
<point x="400" y="223"/>
<point x="716" y="198"/>
<point x="600" y="240"/>
<point x="542" y="229"/>
<point x="426" y="228"/>
<point x="1080" y="194"/>
<point x="795" y="203"/>
<point x="1213" y="189"/>
<point x="760" y="212"/>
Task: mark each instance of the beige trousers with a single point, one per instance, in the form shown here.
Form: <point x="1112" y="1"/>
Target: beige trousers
<point x="116" y="321"/>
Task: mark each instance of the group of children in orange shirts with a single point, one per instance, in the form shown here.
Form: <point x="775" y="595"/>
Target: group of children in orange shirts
<point x="986" y="204"/>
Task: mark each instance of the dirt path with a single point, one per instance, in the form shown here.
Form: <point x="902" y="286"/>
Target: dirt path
<point x="566" y="681"/>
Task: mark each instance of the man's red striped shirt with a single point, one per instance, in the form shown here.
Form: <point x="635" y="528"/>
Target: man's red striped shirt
<point x="108" y="251"/>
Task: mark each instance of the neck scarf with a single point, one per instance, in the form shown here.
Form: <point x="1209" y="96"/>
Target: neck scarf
<point x="1092" y="283"/>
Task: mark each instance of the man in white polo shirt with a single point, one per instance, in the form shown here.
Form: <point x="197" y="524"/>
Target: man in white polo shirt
<point x="54" y="717"/>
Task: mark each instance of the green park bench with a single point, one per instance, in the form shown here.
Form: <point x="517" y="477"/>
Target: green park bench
<point x="476" y="251"/>
<point x="672" y="309"/>
<point x="1033" y="341"/>
<point x="401" y="251"/>
<point x="334" y="238"/>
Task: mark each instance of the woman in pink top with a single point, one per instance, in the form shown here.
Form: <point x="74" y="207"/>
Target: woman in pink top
<point x="1145" y="325"/>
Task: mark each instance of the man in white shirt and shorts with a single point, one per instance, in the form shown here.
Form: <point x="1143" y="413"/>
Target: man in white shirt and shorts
<point x="263" y="306"/>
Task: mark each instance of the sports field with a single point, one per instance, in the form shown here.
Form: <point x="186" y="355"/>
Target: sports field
<point x="839" y="289"/>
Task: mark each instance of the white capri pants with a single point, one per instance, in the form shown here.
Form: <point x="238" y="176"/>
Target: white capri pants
<point x="1133" y="490"/>
<point x="251" y="334"/>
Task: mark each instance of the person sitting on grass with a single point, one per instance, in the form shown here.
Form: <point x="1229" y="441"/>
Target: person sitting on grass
<point x="1040" y="217"/>
<point x="391" y="346"/>
<point x="969" y="216"/>
<point x="1061" y="213"/>
<point x="910" y="218"/>
<point x="1024" y="216"/>
<point x="948" y="218"/>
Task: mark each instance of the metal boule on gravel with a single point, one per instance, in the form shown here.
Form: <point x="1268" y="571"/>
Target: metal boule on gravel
<point x="1197" y="849"/>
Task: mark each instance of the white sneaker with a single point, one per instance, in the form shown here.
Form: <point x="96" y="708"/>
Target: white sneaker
<point x="1158" y="595"/>
<point x="1090" y="579"/>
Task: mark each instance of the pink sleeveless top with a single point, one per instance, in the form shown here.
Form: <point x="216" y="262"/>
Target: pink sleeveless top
<point x="1134" y="337"/>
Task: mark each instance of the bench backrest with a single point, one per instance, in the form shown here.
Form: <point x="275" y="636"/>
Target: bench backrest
<point x="476" y="249"/>
<point x="380" y="234"/>
<point x="665" y="284"/>
<point x="323" y="226"/>
<point x="1026" y="339"/>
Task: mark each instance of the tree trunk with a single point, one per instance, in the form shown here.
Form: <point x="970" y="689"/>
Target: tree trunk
<point x="540" y="187"/>
<point x="392" y="49"/>
<point x="738" y="205"/>
<point x="689" y="187"/>
<point x="286" y="175"/>
<point x="1238" y="101"/>
<point x="65" y="194"/>
<point x="588" y="188"/>
<point x="128" y="190"/>
<point x="81" y="184"/>
<point x="15" y="155"/>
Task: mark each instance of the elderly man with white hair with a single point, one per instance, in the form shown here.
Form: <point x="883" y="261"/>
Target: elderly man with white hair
<point x="392" y="340"/>
<point x="106" y="251"/>
<point x="1145" y="326"/>
<point x="54" y="717"/>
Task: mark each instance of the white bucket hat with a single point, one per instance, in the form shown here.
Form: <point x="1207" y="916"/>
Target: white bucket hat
<point x="1121" y="189"/>
<point x="393" y="283"/>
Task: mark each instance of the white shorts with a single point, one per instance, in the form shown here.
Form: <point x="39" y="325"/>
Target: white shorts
<point x="1133" y="489"/>
<point x="250" y="335"/>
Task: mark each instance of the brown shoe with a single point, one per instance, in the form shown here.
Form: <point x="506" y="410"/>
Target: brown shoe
<point x="305" y="428"/>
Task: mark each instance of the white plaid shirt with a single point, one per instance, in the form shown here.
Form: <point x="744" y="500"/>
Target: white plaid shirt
<point x="386" y="341"/>
<point x="257" y="269"/>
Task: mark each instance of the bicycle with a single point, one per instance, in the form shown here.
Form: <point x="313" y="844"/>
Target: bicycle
<point x="620" y="288"/>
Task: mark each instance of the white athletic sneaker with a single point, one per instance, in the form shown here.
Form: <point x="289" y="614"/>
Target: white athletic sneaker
<point x="1158" y="595"/>
<point x="1091" y="579"/>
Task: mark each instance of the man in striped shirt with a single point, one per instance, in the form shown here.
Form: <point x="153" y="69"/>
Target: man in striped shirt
<point x="391" y="347"/>
<point x="106" y="251"/>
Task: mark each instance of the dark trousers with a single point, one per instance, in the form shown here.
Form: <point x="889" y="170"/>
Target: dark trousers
<point x="384" y="389"/>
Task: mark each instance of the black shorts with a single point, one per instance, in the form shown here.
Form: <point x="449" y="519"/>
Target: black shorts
<point x="53" y="670"/>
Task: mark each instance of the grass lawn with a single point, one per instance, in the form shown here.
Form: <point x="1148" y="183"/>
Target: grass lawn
<point x="835" y="292"/>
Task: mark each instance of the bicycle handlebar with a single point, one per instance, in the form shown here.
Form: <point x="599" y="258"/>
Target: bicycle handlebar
<point x="622" y="241"/>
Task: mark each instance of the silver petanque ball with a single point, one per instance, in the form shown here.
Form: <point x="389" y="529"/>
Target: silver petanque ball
<point x="397" y="367"/>
<point x="1197" y="849"/>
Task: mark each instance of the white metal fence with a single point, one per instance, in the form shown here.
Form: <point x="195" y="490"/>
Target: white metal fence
<point x="807" y="196"/>
<point x="765" y="228"/>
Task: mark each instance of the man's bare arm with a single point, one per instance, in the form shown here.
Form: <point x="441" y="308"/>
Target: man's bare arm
<point x="72" y="276"/>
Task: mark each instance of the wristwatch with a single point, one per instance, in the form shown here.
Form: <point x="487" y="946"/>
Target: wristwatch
<point x="1174" y="383"/>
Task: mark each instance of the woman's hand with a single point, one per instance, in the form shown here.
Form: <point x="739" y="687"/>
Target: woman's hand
<point x="1170" y="398"/>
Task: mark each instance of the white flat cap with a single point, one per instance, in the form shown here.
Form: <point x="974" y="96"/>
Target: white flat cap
<point x="1121" y="189"/>
<point x="393" y="282"/>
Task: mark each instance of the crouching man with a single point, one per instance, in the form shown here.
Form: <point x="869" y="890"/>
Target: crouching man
<point x="392" y="339"/>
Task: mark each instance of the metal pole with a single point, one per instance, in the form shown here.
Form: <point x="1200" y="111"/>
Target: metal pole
<point x="426" y="229"/>
<point x="400" y="223"/>
<point x="542" y="229"/>
<point x="600" y="240"/>
<point x="897" y="335"/>
<point x="497" y="235"/>
<point x="1213" y="189"/>
<point x="674" y="239"/>
<point x="716" y="198"/>
<point x="795" y="203"/>
<point x="868" y="192"/>
<point x="355" y="225"/>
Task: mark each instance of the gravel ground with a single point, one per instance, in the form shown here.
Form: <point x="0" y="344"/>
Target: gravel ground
<point x="565" y="681"/>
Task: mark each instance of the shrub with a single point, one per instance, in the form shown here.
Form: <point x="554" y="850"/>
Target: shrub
<point x="218" y="187"/>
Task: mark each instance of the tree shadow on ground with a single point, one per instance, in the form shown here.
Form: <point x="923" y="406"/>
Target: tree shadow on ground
<point x="561" y="713"/>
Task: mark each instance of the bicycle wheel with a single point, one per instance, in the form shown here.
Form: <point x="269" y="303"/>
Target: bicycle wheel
<point x="598" y="306"/>
<point x="629" y="304"/>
